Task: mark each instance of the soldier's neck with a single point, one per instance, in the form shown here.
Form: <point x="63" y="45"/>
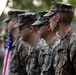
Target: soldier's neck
<point x="15" y="33"/>
<point x="33" y="38"/>
<point x="13" y="39"/>
<point x="63" y="30"/>
<point x="50" y="37"/>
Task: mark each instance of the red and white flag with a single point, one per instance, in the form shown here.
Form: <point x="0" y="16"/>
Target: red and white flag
<point x="7" y="55"/>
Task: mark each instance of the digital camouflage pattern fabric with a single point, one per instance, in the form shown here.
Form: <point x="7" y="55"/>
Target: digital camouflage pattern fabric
<point x="47" y="67"/>
<point x="33" y="67"/>
<point x="18" y="58"/>
<point x="65" y="60"/>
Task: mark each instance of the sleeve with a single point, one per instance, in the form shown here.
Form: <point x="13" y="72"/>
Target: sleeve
<point x="73" y="54"/>
<point x="23" y="55"/>
<point x="23" y="52"/>
<point x="47" y="65"/>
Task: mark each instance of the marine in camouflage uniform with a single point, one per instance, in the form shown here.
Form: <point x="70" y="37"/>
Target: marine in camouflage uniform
<point x="47" y="67"/>
<point x="66" y="56"/>
<point x="46" y="57"/>
<point x="65" y="59"/>
<point x="38" y="44"/>
<point x="19" y="50"/>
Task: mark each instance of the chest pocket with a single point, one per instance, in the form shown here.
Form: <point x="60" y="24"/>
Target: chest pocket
<point x="61" y="58"/>
<point x="14" y="63"/>
<point x="64" y="65"/>
<point x="32" y="60"/>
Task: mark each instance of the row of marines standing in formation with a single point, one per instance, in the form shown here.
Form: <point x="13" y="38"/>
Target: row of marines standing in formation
<point x="43" y="43"/>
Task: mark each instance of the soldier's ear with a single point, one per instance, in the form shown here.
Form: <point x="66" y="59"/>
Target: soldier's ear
<point x="58" y="17"/>
<point x="15" y="21"/>
<point x="31" y="28"/>
<point x="49" y="27"/>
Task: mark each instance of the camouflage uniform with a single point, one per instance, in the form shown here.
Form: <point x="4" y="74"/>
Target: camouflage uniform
<point x="33" y="67"/>
<point x="47" y="68"/>
<point x="65" y="60"/>
<point x="18" y="58"/>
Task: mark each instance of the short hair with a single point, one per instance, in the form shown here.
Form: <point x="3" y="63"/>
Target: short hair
<point x="66" y="17"/>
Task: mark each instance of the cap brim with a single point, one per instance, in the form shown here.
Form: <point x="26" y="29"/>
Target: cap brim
<point x="38" y="22"/>
<point x="7" y="20"/>
<point x="18" y="25"/>
<point x="50" y="13"/>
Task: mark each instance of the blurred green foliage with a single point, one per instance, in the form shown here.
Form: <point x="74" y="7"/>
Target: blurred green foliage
<point x="29" y="6"/>
<point x="72" y="2"/>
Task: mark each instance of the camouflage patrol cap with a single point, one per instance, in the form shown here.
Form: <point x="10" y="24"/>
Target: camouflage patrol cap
<point x="26" y="18"/>
<point x="60" y="7"/>
<point x="4" y="33"/>
<point x="12" y="14"/>
<point x="41" y="20"/>
<point x="42" y="13"/>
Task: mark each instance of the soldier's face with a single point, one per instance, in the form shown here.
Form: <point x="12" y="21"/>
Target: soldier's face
<point x="24" y="32"/>
<point x="11" y="24"/>
<point x="53" y="23"/>
<point x="43" y="30"/>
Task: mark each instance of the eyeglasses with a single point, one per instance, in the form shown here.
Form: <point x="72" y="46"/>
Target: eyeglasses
<point x="23" y="27"/>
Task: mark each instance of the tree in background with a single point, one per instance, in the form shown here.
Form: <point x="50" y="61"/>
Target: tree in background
<point x="33" y="5"/>
<point x="37" y="5"/>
